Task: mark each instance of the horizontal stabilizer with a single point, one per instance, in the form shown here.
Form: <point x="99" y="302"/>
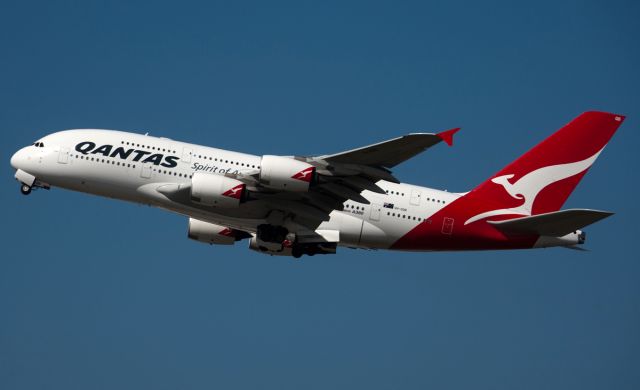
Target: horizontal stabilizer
<point x="554" y="224"/>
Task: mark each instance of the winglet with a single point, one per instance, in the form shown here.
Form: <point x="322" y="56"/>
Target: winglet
<point x="447" y="136"/>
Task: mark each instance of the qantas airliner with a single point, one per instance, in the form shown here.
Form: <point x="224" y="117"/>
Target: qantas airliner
<point x="307" y="205"/>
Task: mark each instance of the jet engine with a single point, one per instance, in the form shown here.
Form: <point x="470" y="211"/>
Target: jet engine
<point x="286" y="174"/>
<point x="216" y="190"/>
<point x="210" y="233"/>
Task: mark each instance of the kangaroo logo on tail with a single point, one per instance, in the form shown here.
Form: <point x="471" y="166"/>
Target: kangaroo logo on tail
<point x="529" y="186"/>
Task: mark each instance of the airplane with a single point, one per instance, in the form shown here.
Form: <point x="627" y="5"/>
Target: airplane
<point x="307" y="205"/>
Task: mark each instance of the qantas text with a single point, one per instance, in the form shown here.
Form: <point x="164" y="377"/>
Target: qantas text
<point x="89" y="147"/>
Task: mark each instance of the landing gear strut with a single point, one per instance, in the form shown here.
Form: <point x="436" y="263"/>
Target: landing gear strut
<point x="25" y="189"/>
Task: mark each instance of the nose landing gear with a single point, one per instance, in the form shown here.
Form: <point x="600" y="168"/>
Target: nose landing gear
<point x="25" y="189"/>
<point x="28" y="182"/>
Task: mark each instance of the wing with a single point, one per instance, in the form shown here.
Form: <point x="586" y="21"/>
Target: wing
<point x="344" y="176"/>
<point x="392" y="152"/>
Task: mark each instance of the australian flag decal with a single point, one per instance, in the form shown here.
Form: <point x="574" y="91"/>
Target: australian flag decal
<point x="388" y="205"/>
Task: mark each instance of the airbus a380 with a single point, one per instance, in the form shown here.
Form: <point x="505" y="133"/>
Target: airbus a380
<point x="306" y="205"/>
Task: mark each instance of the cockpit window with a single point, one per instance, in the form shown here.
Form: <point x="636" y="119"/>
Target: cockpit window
<point x="38" y="144"/>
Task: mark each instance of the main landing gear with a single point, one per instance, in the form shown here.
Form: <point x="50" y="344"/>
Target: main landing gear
<point x="271" y="233"/>
<point x="276" y="240"/>
<point x="310" y="249"/>
<point x="298" y="250"/>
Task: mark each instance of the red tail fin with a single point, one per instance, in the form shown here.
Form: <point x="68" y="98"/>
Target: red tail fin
<point x="542" y="179"/>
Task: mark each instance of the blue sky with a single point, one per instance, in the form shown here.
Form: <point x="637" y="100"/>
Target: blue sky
<point x="97" y="294"/>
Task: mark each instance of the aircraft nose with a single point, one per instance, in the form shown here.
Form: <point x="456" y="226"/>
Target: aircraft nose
<point x="18" y="159"/>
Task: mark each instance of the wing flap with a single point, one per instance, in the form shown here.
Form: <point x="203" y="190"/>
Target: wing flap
<point x="554" y="224"/>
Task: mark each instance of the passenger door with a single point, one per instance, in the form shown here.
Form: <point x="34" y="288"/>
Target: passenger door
<point x="186" y="155"/>
<point x="415" y="197"/>
<point x="63" y="157"/>
<point x="447" y="225"/>
<point x="375" y="212"/>
<point x="145" y="173"/>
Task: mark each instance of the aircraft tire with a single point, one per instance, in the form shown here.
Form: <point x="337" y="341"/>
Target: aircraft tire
<point x="25" y="189"/>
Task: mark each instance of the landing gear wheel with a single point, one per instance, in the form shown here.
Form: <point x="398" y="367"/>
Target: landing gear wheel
<point x="25" y="189"/>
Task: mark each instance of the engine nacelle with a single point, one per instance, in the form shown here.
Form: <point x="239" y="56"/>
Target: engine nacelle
<point x="216" y="190"/>
<point x="286" y="174"/>
<point x="210" y="233"/>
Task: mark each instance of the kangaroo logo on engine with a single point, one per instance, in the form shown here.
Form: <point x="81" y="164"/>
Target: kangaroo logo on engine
<point x="89" y="147"/>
